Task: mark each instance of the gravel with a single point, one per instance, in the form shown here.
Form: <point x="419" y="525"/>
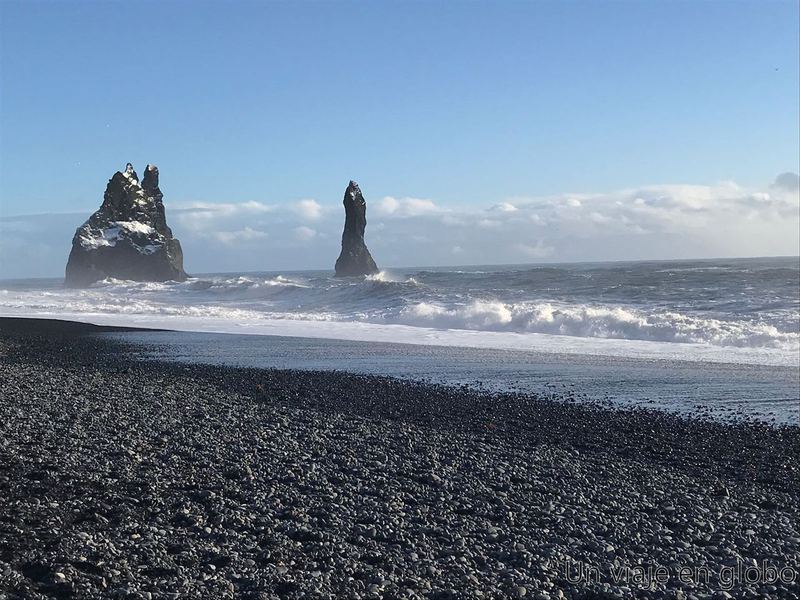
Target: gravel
<point x="122" y="478"/>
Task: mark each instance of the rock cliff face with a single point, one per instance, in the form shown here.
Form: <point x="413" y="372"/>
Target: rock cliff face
<point x="355" y="259"/>
<point x="128" y="236"/>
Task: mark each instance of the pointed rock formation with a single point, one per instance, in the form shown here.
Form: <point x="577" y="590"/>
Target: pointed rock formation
<point x="355" y="259"/>
<point x="128" y="236"/>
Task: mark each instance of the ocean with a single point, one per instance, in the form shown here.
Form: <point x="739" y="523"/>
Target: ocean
<point x="720" y="335"/>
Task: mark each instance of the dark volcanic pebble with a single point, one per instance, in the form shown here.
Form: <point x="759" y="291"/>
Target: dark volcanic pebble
<point x="129" y="479"/>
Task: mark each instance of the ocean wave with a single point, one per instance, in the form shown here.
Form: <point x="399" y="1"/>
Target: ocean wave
<point x="245" y="284"/>
<point x="576" y="320"/>
<point x="701" y="269"/>
<point x="599" y="322"/>
<point x="241" y="287"/>
<point x="387" y="277"/>
<point x="756" y="311"/>
<point x="110" y="283"/>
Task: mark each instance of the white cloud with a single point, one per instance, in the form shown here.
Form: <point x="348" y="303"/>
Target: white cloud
<point x="538" y="250"/>
<point x="388" y="205"/>
<point x="489" y="223"/>
<point x="536" y="219"/>
<point x="200" y="216"/>
<point x="787" y="181"/>
<point x="224" y="208"/>
<point x="659" y="221"/>
<point x="309" y="209"/>
<point x="451" y="220"/>
<point x="303" y="233"/>
<point x="674" y="209"/>
<point x="599" y="218"/>
<point x="504" y="207"/>
<point x="406" y="207"/>
<point x="242" y="235"/>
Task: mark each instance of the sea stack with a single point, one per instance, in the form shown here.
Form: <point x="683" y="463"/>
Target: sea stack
<point x="128" y="236"/>
<point x="355" y="260"/>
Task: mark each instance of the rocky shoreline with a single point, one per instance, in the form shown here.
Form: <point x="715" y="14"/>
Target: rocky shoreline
<point x="125" y="478"/>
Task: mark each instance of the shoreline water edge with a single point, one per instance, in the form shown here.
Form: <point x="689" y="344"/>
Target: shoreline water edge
<point x="122" y="477"/>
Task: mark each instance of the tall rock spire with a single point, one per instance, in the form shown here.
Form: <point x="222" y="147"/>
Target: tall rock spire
<point x="354" y="260"/>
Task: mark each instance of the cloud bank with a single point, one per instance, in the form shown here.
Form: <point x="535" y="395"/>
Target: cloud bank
<point x="651" y="222"/>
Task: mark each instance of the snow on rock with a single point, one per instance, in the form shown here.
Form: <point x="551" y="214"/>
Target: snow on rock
<point x="90" y="238"/>
<point x="128" y="236"/>
<point x="130" y="173"/>
<point x="136" y="226"/>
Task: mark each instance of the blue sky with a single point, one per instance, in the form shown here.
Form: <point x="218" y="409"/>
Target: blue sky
<point x="467" y="105"/>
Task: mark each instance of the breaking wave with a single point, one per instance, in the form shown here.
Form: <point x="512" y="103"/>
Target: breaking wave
<point x="194" y="283"/>
<point x="751" y="305"/>
<point x="600" y="322"/>
<point x="386" y="277"/>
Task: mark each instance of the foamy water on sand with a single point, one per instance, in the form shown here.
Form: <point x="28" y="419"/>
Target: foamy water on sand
<point x="710" y="389"/>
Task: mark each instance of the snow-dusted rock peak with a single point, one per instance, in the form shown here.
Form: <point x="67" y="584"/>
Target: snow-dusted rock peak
<point x="128" y="236"/>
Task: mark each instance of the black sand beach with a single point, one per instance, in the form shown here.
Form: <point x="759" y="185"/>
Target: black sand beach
<point x="126" y="478"/>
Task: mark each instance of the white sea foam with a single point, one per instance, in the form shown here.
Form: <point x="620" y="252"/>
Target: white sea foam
<point x="387" y="277"/>
<point x="599" y="322"/>
<point x="743" y="317"/>
<point x="483" y="325"/>
<point x="243" y="322"/>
